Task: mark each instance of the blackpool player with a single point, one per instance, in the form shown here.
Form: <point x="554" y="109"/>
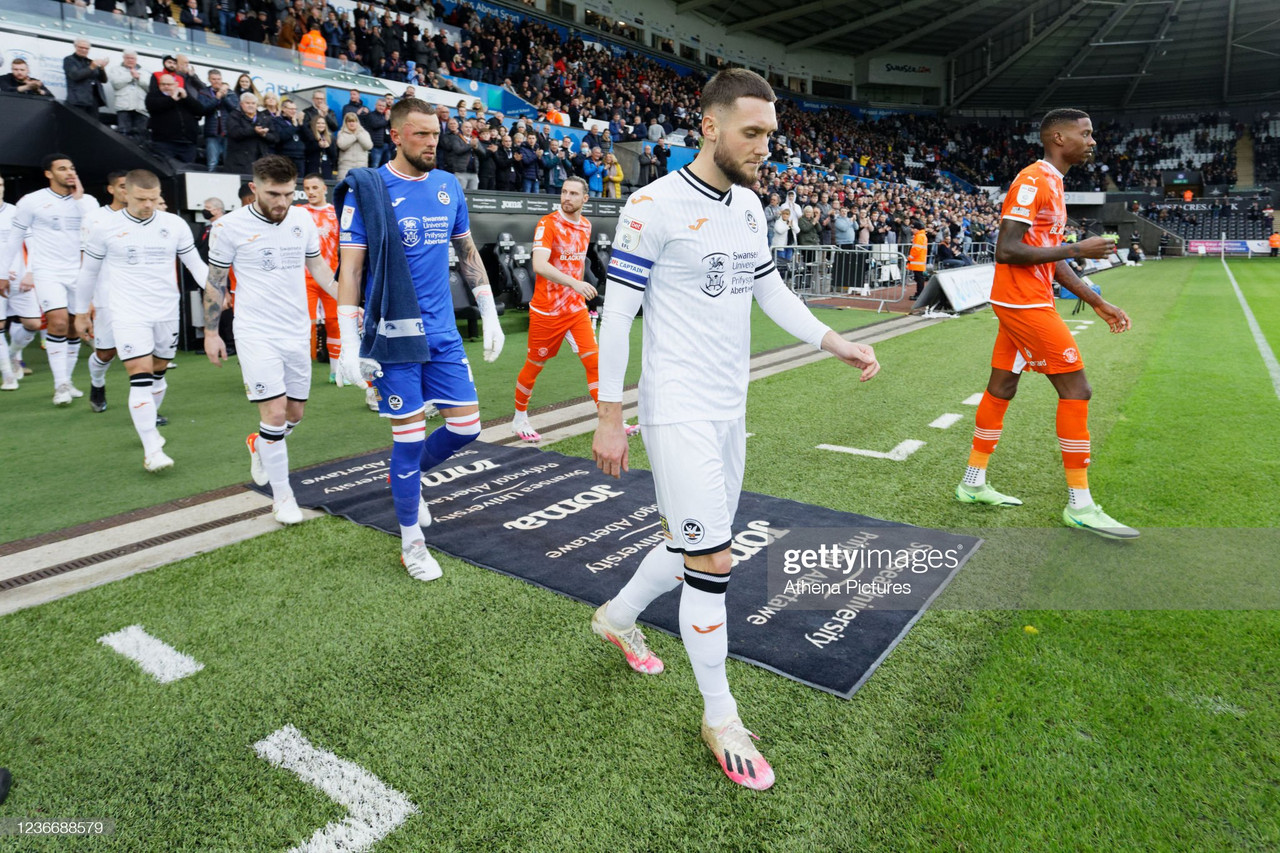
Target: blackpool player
<point x="326" y="222"/>
<point x="1032" y="336"/>
<point x="558" y="311"/>
<point x="104" y="347"/>
<point x="16" y="299"/>
<point x="268" y="243"/>
<point x="135" y="250"/>
<point x="693" y="250"/>
<point x="409" y="212"/>
<point x="50" y="220"/>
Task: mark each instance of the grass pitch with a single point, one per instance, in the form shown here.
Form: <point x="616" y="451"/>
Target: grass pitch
<point x="487" y="702"/>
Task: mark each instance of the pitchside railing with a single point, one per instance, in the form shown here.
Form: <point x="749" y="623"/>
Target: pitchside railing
<point x="871" y="273"/>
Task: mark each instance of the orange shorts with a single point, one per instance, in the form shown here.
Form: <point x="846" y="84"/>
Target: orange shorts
<point x="546" y="333"/>
<point x="316" y="295"/>
<point x="1034" y="339"/>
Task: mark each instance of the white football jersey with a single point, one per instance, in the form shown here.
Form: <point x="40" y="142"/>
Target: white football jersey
<point x="139" y="260"/>
<point x="696" y="253"/>
<point x="87" y="225"/>
<point x="50" y="223"/>
<point x="6" y="228"/>
<point x="269" y="261"/>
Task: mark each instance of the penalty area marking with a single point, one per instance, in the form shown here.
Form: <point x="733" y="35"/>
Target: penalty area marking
<point x="1264" y="348"/>
<point x="376" y="808"/>
<point x="946" y="421"/>
<point x="898" y="454"/>
<point x="157" y="658"/>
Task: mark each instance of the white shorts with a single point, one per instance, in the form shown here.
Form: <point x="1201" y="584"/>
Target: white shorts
<point x="54" y="292"/>
<point x="103" y="335"/>
<point x="697" y="471"/>
<point x="137" y="338"/>
<point x="274" y="368"/>
<point x="20" y="303"/>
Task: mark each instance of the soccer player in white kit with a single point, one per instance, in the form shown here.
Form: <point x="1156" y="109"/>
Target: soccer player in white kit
<point x="104" y="347"/>
<point x="134" y="249"/>
<point x="268" y="242"/>
<point x="15" y="301"/>
<point x="50" y="220"/>
<point x="693" y="250"/>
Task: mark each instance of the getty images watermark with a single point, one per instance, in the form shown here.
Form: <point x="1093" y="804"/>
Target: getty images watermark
<point x="886" y="569"/>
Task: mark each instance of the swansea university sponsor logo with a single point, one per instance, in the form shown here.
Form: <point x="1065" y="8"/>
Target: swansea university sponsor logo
<point x="410" y="233"/>
<point x="713" y="284"/>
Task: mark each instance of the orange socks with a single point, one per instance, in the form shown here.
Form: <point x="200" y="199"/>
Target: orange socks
<point x="986" y="434"/>
<point x="1073" y="439"/>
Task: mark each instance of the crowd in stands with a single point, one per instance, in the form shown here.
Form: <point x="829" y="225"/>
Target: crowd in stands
<point x="1266" y="149"/>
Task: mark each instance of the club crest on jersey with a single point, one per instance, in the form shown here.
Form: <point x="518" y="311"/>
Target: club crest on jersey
<point x="395" y="403"/>
<point x="126" y="349"/>
<point x="751" y="222"/>
<point x="409" y="233"/>
<point x="348" y="213"/>
<point x="692" y="531"/>
<point x="259" y="389"/>
<point x="164" y="233"/>
<point x="131" y="256"/>
<point x="1070" y="355"/>
<point x="297" y="232"/>
<point x="713" y="284"/>
<point x="1026" y="194"/>
<point x="443" y="196"/>
<point x="269" y="261"/>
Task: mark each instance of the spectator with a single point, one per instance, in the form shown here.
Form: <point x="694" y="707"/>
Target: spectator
<point x="528" y="164"/>
<point x="376" y="123"/>
<point x="321" y="148"/>
<point x="486" y="151"/>
<point x="354" y="145"/>
<point x="613" y="176"/>
<point x="661" y="152"/>
<point x="453" y="152"/>
<point x="508" y="176"/>
<point x="312" y="46"/>
<point x="190" y="17"/>
<point x="85" y="77"/>
<point x="290" y="127"/>
<point x="655" y="130"/>
<point x="808" y="227"/>
<point x="593" y="171"/>
<point x="270" y="104"/>
<point x="648" y="165"/>
<point x="320" y="107"/>
<point x="19" y="80"/>
<point x="354" y="105"/>
<point x="556" y="166"/>
<point x="175" y="120"/>
<point x="215" y="102"/>
<point x="250" y="135"/>
<point x="254" y="28"/>
<point x="130" y="96"/>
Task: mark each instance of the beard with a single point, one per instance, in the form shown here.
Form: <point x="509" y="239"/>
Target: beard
<point x="422" y="163"/>
<point x="570" y="207"/>
<point x="733" y="171"/>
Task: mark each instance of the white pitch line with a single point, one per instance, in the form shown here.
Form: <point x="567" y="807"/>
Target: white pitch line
<point x="1264" y="348"/>
<point x="376" y="809"/>
<point x="973" y="400"/>
<point x="946" y="421"/>
<point x="157" y="658"/>
<point x="898" y="454"/>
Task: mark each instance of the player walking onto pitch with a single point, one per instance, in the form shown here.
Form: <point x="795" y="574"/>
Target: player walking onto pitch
<point x="50" y="219"/>
<point x="134" y="249"/>
<point x="558" y="311"/>
<point x="15" y="301"/>
<point x="104" y="346"/>
<point x="1032" y="335"/>
<point x="268" y="243"/>
<point x="693" y="249"/>
<point x="397" y="224"/>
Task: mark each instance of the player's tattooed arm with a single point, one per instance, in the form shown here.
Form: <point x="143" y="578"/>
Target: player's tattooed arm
<point x="470" y="266"/>
<point x="215" y="291"/>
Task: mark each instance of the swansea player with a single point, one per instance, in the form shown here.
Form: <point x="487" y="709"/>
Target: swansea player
<point x="135" y="250"/>
<point x="104" y="347"/>
<point x="693" y="251"/>
<point x="398" y="222"/>
<point x="268" y="243"/>
<point x="49" y="220"/>
<point x="1032" y="336"/>
<point x="558" y="312"/>
<point x="17" y="299"/>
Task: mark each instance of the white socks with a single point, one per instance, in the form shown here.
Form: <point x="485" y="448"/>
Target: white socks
<point x="706" y="640"/>
<point x="143" y="412"/>
<point x="158" y="387"/>
<point x="660" y="571"/>
<point x="98" y="371"/>
<point x="275" y="460"/>
<point x="73" y="355"/>
<point x="1079" y="498"/>
<point x="975" y="476"/>
<point x="19" y="337"/>
<point x="409" y="534"/>
<point x="55" y="347"/>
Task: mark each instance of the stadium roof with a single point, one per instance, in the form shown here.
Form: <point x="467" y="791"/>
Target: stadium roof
<point x="1026" y="54"/>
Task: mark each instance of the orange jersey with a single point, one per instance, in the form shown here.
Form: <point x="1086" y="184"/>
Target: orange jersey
<point x="919" y="251"/>
<point x="567" y="242"/>
<point x="326" y="220"/>
<point x="1036" y="198"/>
